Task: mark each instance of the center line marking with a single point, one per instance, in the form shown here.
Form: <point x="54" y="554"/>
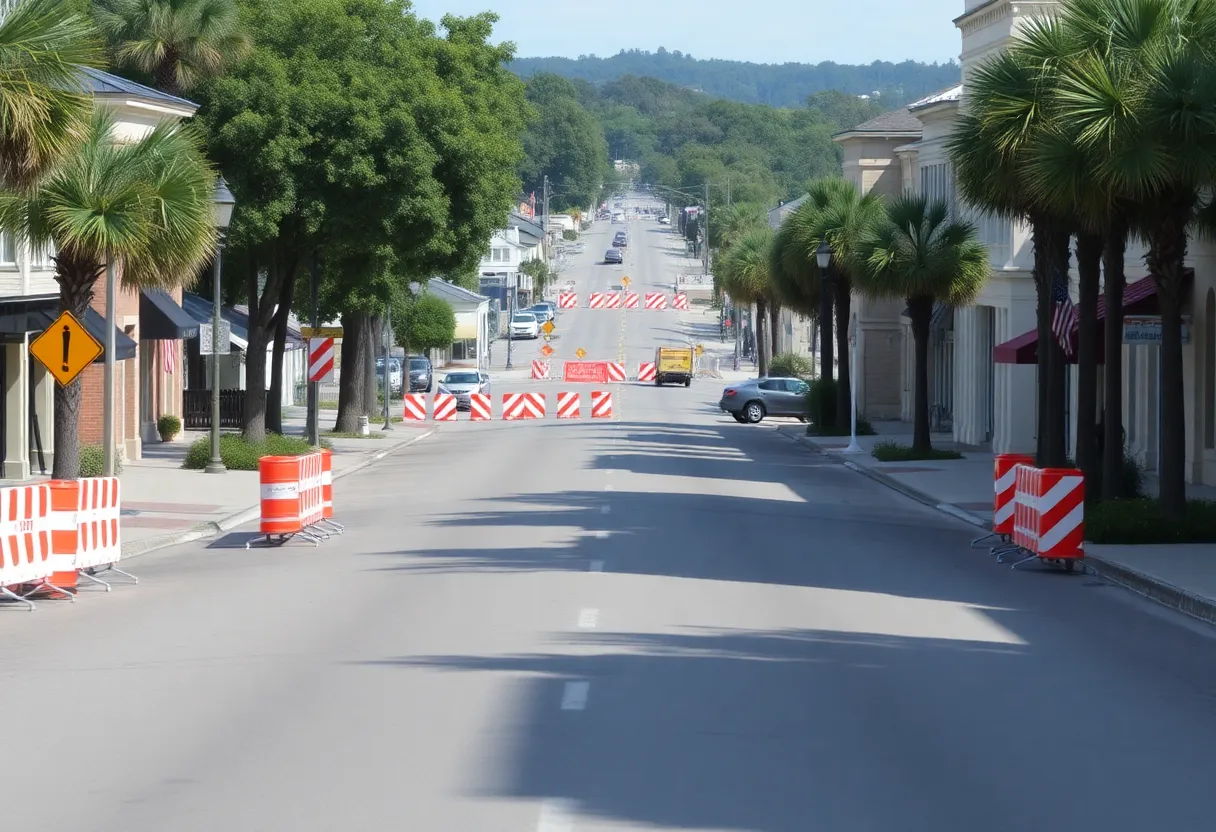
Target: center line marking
<point x="601" y="535"/>
<point x="574" y="696"/>
<point x="588" y="618"/>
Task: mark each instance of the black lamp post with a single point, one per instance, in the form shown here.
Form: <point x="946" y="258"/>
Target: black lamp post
<point x="823" y="259"/>
<point x="222" y="203"/>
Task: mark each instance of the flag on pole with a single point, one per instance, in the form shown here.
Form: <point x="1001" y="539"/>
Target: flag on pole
<point x="1063" y="314"/>
<point x="169" y="348"/>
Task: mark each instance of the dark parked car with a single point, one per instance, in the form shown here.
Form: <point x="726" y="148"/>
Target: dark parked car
<point x="620" y="240"/>
<point x="613" y="255"/>
<point x="421" y="374"/>
<point x="752" y="400"/>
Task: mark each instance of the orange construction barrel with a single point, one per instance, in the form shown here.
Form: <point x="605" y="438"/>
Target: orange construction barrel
<point x="327" y="483"/>
<point x="65" y="531"/>
<point x="280" y="486"/>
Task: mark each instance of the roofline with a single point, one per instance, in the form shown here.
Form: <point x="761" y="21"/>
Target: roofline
<point x="977" y="10"/>
<point x="882" y="134"/>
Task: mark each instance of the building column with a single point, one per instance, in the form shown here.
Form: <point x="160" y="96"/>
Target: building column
<point x="1015" y="412"/>
<point x="970" y="373"/>
<point x="16" y="411"/>
<point x="44" y="409"/>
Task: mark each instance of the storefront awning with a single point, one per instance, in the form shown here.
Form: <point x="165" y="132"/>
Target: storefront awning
<point x="1139" y="298"/>
<point x="27" y="315"/>
<point x="162" y="319"/>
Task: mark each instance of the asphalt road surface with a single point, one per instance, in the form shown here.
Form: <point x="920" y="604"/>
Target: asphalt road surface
<point x="663" y="621"/>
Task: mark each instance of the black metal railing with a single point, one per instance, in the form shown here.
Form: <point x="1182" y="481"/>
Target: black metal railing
<point x="198" y="409"/>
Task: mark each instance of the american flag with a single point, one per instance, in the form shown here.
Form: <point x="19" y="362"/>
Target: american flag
<point x="169" y="348"/>
<point x="1063" y="313"/>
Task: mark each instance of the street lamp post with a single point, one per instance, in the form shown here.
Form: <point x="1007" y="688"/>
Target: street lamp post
<point x="222" y="205"/>
<point x="823" y="259"/>
<point x="388" y="369"/>
<point x="510" y="317"/>
<point x="853" y="448"/>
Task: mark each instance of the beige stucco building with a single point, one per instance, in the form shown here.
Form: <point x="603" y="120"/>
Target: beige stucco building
<point x="983" y="371"/>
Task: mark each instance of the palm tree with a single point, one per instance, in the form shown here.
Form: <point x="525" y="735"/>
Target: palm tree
<point x="922" y="255"/>
<point x="843" y="217"/>
<point x="145" y="205"/>
<point x="745" y="276"/>
<point x="989" y="147"/>
<point x="1142" y="106"/>
<point x="177" y="43"/>
<point x="795" y="276"/>
<point x="44" y="109"/>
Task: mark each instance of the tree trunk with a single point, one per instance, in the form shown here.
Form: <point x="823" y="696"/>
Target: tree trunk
<point x="1051" y="255"/>
<point x="1089" y="270"/>
<point x="75" y="295"/>
<point x="274" y="404"/>
<point x="761" y="341"/>
<point x="774" y="319"/>
<point x="920" y="310"/>
<point x="261" y="314"/>
<point x="844" y="399"/>
<point x="1112" y="389"/>
<point x="352" y="387"/>
<point x="1167" y="250"/>
<point x="827" y="360"/>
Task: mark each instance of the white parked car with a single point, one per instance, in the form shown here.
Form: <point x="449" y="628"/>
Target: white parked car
<point x="524" y="325"/>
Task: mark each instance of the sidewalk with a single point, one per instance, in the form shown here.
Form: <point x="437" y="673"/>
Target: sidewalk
<point x="1179" y="576"/>
<point x="164" y="504"/>
<point x="700" y="326"/>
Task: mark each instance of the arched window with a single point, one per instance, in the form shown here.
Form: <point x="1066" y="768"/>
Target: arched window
<point x="1209" y="371"/>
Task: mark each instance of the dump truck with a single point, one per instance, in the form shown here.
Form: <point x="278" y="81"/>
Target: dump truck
<point x="673" y="365"/>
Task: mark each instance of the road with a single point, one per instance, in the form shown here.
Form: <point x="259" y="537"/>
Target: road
<point x="663" y="621"/>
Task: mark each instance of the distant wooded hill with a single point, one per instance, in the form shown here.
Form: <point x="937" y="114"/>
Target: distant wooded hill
<point x="778" y="85"/>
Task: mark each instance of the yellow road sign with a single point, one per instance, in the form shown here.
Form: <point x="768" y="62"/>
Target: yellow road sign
<point x="580" y="352"/>
<point x="548" y="327"/>
<point x="700" y="350"/>
<point x="321" y="331"/>
<point x="546" y="350"/>
<point x="625" y="281"/>
<point x="65" y="348"/>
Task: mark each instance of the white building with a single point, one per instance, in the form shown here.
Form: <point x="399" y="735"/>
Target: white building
<point x="471" y="340"/>
<point x="795" y="333"/>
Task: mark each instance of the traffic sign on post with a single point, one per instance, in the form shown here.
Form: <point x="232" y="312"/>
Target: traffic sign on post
<point x="548" y="327"/>
<point x="320" y="358"/>
<point x="204" y="338"/>
<point x="625" y="281"/>
<point x="65" y="348"/>
<point x="321" y="331"/>
<point x="700" y="350"/>
<point x="546" y="350"/>
<point x="581" y="353"/>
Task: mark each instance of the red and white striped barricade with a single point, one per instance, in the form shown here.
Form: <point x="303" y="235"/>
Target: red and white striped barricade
<point x="415" y="407"/>
<point x="1049" y="514"/>
<point x="25" y="542"/>
<point x="523" y="406"/>
<point x="646" y="371"/>
<point x="680" y="302"/>
<point x="616" y="371"/>
<point x="292" y="503"/>
<point x="327" y="491"/>
<point x="656" y="300"/>
<point x="568" y="405"/>
<point x="595" y="300"/>
<point x="601" y="404"/>
<point x="445" y="407"/>
<point x="479" y="407"/>
<point x="540" y="369"/>
<point x="85" y="538"/>
<point x="1025" y="507"/>
<point x="1002" y="501"/>
<point x="567" y="300"/>
<point x="631" y="300"/>
<point x="612" y="300"/>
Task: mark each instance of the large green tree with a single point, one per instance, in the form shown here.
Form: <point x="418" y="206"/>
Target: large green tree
<point x="143" y="206"/>
<point x="745" y="277"/>
<point x="921" y="255"/>
<point x="564" y="142"/>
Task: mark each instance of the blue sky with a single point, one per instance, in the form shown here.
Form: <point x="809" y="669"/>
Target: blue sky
<point x="765" y="31"/>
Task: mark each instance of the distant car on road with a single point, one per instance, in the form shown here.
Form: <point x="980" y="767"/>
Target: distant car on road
<point x="664" y="221"/>
<point x="463" y="383"/>
<point x="620" y="241"/>
<point x="394" y="373"/>
<point x="524" y="325"/>
<point x="613" y="255"/>
<point x="543" y="311"/>
<point x="752" y="400"/>
<point x="421" y="374"/>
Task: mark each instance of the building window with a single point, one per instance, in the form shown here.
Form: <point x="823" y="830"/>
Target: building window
<point x="8" y="249"/>
<point x="500" y="255"/>
<point x="465" y="350"/>
<point x="40" y="258"/>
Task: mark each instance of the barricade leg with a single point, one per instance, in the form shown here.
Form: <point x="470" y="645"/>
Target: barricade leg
<point x="91" y="574"/>
<point x="45" y="585"/>
<point x="976" y="544"/>
<point x="19" y="598"/>
<point x="1029" y="557"/>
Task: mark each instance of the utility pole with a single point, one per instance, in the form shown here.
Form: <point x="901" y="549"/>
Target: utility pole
<point x="707" y="228"/>
<point x="314" y="431"/>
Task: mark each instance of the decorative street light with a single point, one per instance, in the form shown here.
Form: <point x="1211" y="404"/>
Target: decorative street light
<point x="222" y="205"/>
<point x="823" y="255"/>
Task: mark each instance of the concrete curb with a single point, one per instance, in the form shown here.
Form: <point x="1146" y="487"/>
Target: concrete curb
<point x="215" y="528"/>
<point x="1152" y="588"/>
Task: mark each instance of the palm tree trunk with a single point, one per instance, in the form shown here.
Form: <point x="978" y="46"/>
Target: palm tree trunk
<point x="1051" y="254"/>
<point x="356" y="351"/>
<point x="844" y="402"/>
<point x="761" y="338"/>
<point x="827" y="359"/>
<point x="1089" y="270"/>
<point x="774" y="319"/>
<point x="274" y="403"/>
<point x="75" y="295"/>
<point x="920" y="310"/>
<point x="1112" y="388"/>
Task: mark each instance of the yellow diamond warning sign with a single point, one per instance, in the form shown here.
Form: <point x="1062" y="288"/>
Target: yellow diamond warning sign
<point x="581" y="353"/>
<point x="548" y="327"/>
<point x="65" y="348"/>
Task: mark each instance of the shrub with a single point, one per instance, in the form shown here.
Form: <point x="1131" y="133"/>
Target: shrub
<point x="821" y="404"/>
<point x="895" y="452"/>
<point x="864" y="428"/>
<point x="791" y="364"/>
<point x="168" y="425"/>
<point x="569" y="234"/>
<point x="1140" y="521"/>
<point x="93" y="461"/>
<point x="239" y="454"/>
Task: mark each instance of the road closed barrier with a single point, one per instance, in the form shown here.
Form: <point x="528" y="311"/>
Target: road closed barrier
<point x="26" y="566"/>
<point x="1049" y="515"/>
<point x="292" y="503"/>
<point x="1003" y="477"/>
<point x="86" y="530"/>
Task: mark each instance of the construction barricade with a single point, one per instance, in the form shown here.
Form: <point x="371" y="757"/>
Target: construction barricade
<point x="568" y="405"/>
<point x="646" y="371"/>
<point x="1003" y="476"/>
<point x="540" y="369"/>
<point x="327" y="491"/>
<point x="601" y="404"/>
<point x="26" y="565"/>
<point x="1049" y="515"/>
<point x="292" y="503"/>
<point x="85" y="531"/>
<point x="445" y="408"/>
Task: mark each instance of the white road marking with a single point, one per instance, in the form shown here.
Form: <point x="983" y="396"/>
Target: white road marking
<point x="605" y="509"/>
<point x="602" y="534"/>
<point x="556" y="816"/>
<point x="574" y="696"/>
<point x="608" y="487"/>
<point x="596" y="566"/>
<point x="588" y="618"/>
